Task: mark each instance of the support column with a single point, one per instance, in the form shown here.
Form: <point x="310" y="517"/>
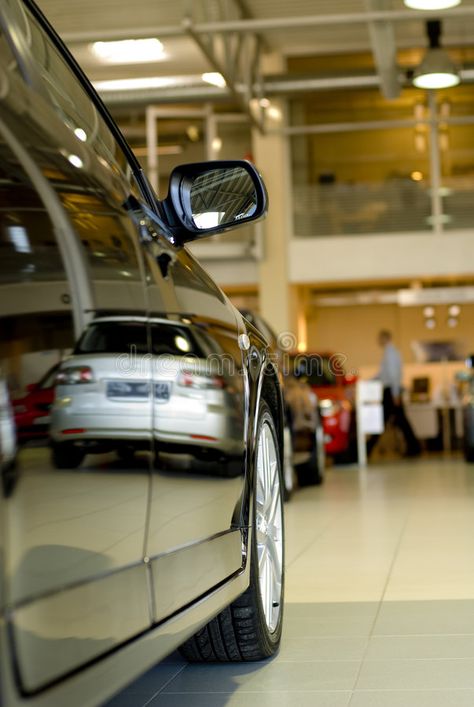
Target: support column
<point x="271" y="157"/>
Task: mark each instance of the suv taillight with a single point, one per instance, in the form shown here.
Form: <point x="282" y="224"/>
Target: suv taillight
<point x="74" y="375"/>
<point x="195" y="380"/>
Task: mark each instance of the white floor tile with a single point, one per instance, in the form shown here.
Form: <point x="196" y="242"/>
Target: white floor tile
<point x="380" y="600"/>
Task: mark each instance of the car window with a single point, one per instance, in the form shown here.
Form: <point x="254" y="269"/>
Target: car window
<point x="91" y="181"/>
<point x="70" y="101"/>
<point x="125" y="337"/>
<point x="114" y="337"/>
<point x="49" y="379"/>
<point x="35" y="314"/>
<point x="28" y="247"/>
<point x="316" y="369"/>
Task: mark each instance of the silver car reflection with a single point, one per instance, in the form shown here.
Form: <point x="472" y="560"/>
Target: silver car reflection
<point x="110" y="393"/>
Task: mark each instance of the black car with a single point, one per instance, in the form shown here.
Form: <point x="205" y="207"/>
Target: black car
<point x="150" y="515"/>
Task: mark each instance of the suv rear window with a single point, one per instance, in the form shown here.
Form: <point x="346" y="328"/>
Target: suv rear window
<point x="318" y="370"/>
<point x="125" y="337"/>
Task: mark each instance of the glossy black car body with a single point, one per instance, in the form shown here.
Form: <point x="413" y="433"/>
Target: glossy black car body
<point x="110" y="561"/>
<point x="468" y="410"/>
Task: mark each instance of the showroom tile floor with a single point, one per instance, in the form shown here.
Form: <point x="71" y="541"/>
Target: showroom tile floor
<point x="380" y="600"/>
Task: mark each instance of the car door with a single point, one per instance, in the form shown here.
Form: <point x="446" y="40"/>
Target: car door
<point x="74" y="579"/>
<point x="199" y="427"/>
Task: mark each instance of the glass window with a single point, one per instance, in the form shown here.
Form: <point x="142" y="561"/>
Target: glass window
<point x="71" y="102"/>
<point x="368" y="180"/>
<point x="36" y="327"/>
<point x="371" y="181"/>
<point x="114" y="337"/>
<point x="85" y="178"/>
<point x="456" y="157"/>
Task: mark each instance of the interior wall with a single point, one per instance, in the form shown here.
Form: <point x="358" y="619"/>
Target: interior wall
<point x="352" y="330"/>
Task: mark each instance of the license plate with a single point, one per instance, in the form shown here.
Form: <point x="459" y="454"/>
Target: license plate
<point x="128" y="389"/>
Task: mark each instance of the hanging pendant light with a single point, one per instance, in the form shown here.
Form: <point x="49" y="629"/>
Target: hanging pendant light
<point x="437" y="69"/>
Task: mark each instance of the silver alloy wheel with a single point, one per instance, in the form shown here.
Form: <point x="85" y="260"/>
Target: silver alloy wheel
<point x="269" y="522"/>
<point x="288" y="469"/>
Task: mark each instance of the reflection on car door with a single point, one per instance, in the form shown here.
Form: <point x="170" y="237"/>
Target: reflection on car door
<point x="74" y="576"/>
<point x="194" y="540"/>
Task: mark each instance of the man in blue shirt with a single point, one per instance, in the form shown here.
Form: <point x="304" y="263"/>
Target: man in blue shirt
<point x="390" y="374"/>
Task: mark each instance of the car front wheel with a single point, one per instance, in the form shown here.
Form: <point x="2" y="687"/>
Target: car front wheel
<point x="250" y="628"/>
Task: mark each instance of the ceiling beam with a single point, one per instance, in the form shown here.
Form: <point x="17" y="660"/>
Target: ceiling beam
<point x="268" y="24"/>
<point x="382" y="39"/>
<point x="236" y="57"/>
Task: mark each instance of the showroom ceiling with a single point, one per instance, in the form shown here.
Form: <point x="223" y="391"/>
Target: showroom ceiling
<point x="91" y="19"/>
<point x="382" y="29"/>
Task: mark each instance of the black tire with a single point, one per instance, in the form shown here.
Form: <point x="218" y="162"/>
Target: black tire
<point x="308" y="472"/>
<point x="469" y="453"/>
<point x="66" y="456"/>
<point x="311" y="472"/>
<point x="240" y="632"/>
<point x="126" y="454"/>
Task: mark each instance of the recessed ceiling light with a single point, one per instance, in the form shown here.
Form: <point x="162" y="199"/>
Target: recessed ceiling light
<point x="416" y="176"/>
<point x="454" y="310"/>
<point x="80" y="134"/>
<point x="428" y="311"/>
<point x="76" y="161"/>
<point x="129" y="51"/>
<point x="431" y="4"/>
<point x="452" y="322"/>
<point x="214" y="78"/>
<point x="430" y="323"/>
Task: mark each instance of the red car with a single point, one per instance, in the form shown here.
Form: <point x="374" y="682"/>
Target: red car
<point x="335" y="390"/>
<point x="32" y="411"/>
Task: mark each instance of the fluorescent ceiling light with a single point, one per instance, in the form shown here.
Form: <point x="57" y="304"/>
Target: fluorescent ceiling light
<point x="214" y="78"/>
<point x="136" y="84"/>
<point x="431" y="4"/>
<point x="129" y="51"/>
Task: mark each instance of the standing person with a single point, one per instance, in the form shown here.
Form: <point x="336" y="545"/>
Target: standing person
<point x="390" y="374"/>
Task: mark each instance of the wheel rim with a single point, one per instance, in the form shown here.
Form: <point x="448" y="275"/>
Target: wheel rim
<point x="288" y="460"/>
<point x="269" y="527"/>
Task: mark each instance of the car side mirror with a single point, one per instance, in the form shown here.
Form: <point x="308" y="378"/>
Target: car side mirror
<point x="211" y="197"/>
